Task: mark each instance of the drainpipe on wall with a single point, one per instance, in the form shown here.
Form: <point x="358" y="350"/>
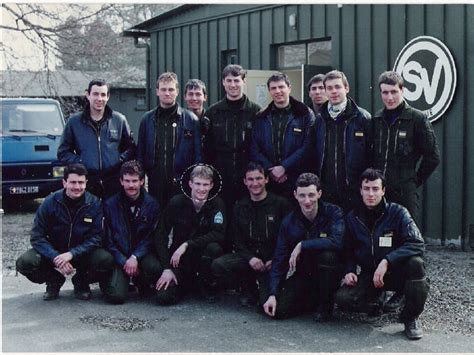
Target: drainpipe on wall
<point x="148" y="69"/>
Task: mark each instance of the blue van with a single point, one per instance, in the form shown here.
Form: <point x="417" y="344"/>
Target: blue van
<point x="30" y="132"/>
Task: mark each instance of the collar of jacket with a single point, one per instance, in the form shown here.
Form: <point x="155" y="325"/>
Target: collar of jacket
<point x="359" y="211"/>
<point x="247" y="201"/>
<point x="322" y="211"/>
<point x="86" y="114"/>
<point x="403" y="114"/>
<point x="89" y="198"/>
<point x="348" y="113"/>
<point x="223" y="105"/>
<point x="297" y="108"/>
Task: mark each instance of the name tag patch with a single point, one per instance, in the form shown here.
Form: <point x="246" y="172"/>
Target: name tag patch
<point x="385" y="242"/>
<point x="323" y="235"/>
<point x="359" y="134"/>
<point x="402" y="134"/>
<point x="88" y="219"/>
<point x="270" y="218"/>
<point x="218" y="218"/>
<point x="297" y="130"/>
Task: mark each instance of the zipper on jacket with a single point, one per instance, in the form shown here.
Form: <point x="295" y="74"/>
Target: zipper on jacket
<point x="97" y="133"/>
<point x="371" y="233"/>
<point x="344" y="151"/>
<point x="387" y="144"/>
<point x="71" y="220"/>
<point x="283" y="140"/>
<point x="165" y="148"/>
<point x="396" y="140"/>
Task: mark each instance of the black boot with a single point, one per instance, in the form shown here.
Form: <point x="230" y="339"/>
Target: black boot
<point x="53" y="285"/>
<point x="395" y="302"/>
<point x="249" y="294"/>
<point x="82" y="290"/>
<point x="413" y="329"/>
<point x="52" y="291"/>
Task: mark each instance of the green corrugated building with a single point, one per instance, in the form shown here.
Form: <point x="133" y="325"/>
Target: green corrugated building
<point x="197" y="41"/>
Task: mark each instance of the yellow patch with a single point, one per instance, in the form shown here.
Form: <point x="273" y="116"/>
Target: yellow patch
<point x="323" y="235"/>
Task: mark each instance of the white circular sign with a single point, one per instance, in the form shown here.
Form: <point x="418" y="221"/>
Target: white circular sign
<point x="429" y="72"/>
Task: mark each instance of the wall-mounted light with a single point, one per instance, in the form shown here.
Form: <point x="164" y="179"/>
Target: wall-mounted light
<point x="292" y="21"/>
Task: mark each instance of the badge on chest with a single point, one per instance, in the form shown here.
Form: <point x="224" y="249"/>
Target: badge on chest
<point x="386" y="240"/>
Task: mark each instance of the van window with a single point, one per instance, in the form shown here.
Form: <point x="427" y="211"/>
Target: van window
<point x="31" y="118"/>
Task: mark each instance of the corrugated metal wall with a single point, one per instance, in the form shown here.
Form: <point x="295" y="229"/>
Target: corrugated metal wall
<point x="365" y="40"/>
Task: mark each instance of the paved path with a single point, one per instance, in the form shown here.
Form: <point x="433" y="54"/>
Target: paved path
<point x="68" y="325"/>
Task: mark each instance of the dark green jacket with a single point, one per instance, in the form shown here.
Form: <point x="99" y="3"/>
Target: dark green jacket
<point x="228" y="139"/>
<point x="198" y="229"/>
<point x="255" y="225"/>
<point x="398" y="148"/>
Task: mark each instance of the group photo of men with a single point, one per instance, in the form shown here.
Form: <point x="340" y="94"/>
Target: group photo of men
<point x="301" y="209"/>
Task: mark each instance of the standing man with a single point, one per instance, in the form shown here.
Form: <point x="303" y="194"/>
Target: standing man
<point x="317" y="92"/>
<point x="131" y="217"/>
<point x="254" y="227"/>
<point x="66" y="239"/>
<point x="100" y="139"/>
<point x="281" y="136"/>
<point x="189" y="237"/>
<point x="343" y="142"/>
<point x="228" y="141"/>
<point x="405" y="146"/>
<point x="169" y="141"/>
<point x="307" y="252"/>
<point x="390" y="256"/>
<point x="195" y="95"/>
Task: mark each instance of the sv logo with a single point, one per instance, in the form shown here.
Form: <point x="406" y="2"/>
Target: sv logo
<point x="422" y="81"/>
<point x="419" y="59"/>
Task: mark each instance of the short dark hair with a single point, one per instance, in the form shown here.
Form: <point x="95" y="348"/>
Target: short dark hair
<point x="75" y="168"/>
<point x="132" y="167"/>
<point x="234" y="70"/>
<point x="278" y="77"/>
<point x="371" y="174"/>
<point x="195" y="84"/>
<point x="167" y="77"/>
<point x="98" y="82"/>
<point x="336" y="74"/>
<point x="252" y="166"/>
<point x="391" y="78"/>
<point x="318" y="78"/>
<point x="307" y="179"/>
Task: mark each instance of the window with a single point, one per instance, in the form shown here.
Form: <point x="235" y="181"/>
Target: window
<point x="294" y="55"/>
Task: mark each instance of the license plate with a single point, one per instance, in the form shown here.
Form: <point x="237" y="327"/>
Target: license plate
<point x="19" y="190"/>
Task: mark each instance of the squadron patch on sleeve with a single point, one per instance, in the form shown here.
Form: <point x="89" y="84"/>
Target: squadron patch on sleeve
<point x="219" y="218"/>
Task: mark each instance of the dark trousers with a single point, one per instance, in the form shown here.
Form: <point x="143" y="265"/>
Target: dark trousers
<point x="92" y="267"/>
<point x="105" y="187"/>
<point x="408" y="198"/>
<point x="116" y="287"/>
<point x="160" y="188"/>
<point x="195" y="265"/>
<point x="311" y="287"/>
<point x="408" y="277"/>
<point x="236" y="268"/>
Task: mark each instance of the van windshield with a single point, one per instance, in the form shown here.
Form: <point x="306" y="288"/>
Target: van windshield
<point x="18" y="119"/>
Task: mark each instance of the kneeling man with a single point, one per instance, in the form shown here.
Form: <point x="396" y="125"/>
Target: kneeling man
<point x="66" y="238"/>
<point x="385" y="242"/>
<point x="255" y="224"/>
<point x="131" y="217"/>
<point x="307" y="252"/>
<point x="189" y="237"/>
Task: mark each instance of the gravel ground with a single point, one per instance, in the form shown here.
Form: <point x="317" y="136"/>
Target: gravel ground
<point x="449" y="307"/>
